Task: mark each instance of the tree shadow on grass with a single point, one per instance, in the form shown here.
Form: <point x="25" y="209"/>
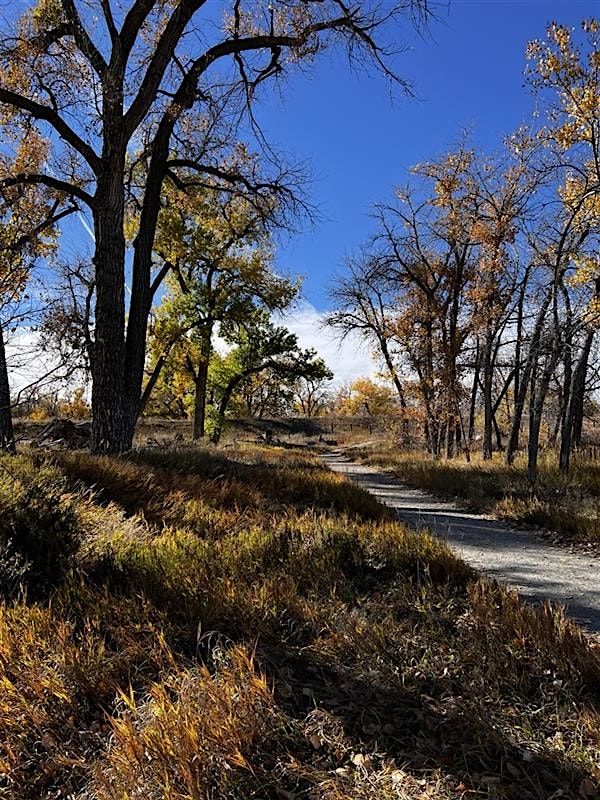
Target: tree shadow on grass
<point x="424" y="732"/>
<point x="146" y="482"/>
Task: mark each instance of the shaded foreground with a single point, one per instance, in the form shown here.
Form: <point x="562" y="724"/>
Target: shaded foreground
<point x="245" y="623"/>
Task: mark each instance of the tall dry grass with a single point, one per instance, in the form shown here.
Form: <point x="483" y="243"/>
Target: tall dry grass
<point x="245" y="624"/>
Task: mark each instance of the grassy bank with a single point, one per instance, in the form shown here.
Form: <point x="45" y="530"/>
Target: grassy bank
<point x="568" y="505"/>
<point x="245" y="624"/>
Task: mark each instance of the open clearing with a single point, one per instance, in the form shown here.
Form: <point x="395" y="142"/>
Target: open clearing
<point x="535" y="567"/>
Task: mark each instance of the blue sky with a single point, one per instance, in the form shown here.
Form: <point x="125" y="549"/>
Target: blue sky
<point x="467" y="72"/>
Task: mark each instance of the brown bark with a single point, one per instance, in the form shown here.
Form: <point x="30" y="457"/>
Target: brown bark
<point x="574" y="405"/>
<point x="539" y="390"/>
<point x="522" y="380"/>
<point x="488" y="414"/>
<point x="199" y="423"/>
<point x="7" y="436"/>
<point x="112" y="431"/>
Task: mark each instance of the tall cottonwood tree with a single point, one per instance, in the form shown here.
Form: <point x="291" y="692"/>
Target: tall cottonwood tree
<point x="566" y="75"/>
<point x="164" y="83"/>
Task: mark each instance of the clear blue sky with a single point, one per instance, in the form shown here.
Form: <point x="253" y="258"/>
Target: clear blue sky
<point x="467" y="72"/>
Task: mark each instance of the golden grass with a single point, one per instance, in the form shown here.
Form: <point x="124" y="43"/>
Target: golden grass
<point x="244" y="624"/>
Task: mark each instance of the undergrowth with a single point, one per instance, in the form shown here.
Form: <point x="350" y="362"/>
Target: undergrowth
<point x="245" y="624"/>
<point x="568" y="505"/>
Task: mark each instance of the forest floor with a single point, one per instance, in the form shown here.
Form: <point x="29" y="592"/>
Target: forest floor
<point x="537" y="568"/>
<point x="242" y="623"/>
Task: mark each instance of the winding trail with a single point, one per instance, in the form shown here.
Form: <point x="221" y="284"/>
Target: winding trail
<point x="538" y="569"/>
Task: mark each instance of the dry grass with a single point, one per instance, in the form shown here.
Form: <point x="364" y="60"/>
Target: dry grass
<point x="567" y="505"/>
<point x="245" y="624"/>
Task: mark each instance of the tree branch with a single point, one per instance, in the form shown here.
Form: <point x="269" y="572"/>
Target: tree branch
<point x="163" y="54"/>
<point x="40" y="111"/>
<point x="83" y="40"/>
<point x="48" y="180"/>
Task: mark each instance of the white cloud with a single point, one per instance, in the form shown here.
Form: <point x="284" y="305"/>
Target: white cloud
<point x="28" y="365"/>
<point x="348" y="360"/>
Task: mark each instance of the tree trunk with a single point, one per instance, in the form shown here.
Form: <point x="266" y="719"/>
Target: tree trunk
<point x="141" y="289"/>
<point x="539" y="389"/>
<point x="473" y="406"/>
<point x="112" y="427"/>
<point x="522" y="379"/>
<point x="574" y="406"/>
<point x="224" y="403"/>
<point x="498" y="433"/>
<point x="201" y="379"/>
<point x="488" y="413"/>
<point x="199" y="424"/>
<point x="7" y="437"/>
<point x="399" y="389"/>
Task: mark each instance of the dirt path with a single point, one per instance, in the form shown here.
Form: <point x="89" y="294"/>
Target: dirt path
<point x="528" y="563"/>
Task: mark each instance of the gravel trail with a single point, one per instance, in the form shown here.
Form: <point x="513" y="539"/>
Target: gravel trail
<point x="526" y="562"/>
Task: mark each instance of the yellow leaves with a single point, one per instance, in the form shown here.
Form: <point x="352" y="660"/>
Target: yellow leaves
<point x="566" y="135"/>
<point x="585" y="103"/>
<point x="560" y="35"/>
<point x="587" y="269"/>
<point x="47" y="14"/>
<point x="445" y="186"/>
<point x="581" y="197"/>
<point x="366" y="397"/>
<point x="32" y="152"/>
<point x="593" y="312"/>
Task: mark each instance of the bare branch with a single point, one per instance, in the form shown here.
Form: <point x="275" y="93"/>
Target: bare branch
<point x="42" y="112"/>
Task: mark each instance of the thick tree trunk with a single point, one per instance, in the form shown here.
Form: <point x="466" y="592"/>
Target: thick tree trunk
<point x="141" y="300"/>
<point x="112" y="427"/>
<point x="7" y="437"/>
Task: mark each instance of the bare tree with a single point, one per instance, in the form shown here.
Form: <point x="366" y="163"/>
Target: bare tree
<point x="158" y="84"/>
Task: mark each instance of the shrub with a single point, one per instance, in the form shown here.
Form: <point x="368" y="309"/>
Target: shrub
<point x="38" y="526"/>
